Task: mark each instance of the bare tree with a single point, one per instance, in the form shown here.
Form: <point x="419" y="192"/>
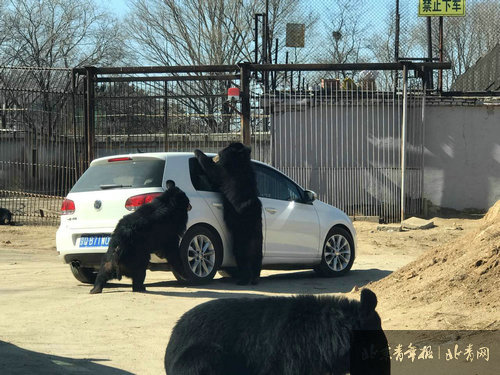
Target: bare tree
<point x="59" y="33"/>
<point x="382" y="47"/>
<point x="345" y="33"/>
<point x="200" y="32"/>
<point x="47" y="34"/>
<point x="341" y="35"/>
<point x="2" y="25"/>
<point x="192" y="32"/>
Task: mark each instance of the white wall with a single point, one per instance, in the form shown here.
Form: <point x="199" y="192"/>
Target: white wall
<point x="462" y="155"/>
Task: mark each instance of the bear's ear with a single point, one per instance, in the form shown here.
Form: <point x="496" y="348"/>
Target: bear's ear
<point x="170" y="184"/>
<point x="244" y="150"/>
<point x="237" y="145"/>
<point x="368" y="301"/>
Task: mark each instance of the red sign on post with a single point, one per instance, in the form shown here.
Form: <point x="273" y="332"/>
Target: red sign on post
<point x="233" y="93"/>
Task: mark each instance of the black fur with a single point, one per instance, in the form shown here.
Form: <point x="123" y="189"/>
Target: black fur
<point x="303" y="335"/>
<point x="234" y="176"/>
<point x="155" y="227"/>
<point x="5" y="217"/>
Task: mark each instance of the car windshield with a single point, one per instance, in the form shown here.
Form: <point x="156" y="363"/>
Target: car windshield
<point x="121" y="175"/>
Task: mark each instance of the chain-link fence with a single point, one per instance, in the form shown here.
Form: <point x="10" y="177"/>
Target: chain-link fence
<point x="345" y="31"/>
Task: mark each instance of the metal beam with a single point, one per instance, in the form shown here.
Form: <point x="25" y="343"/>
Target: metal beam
<point x="224" y="77"/>
<point x="263" y="67"/>
<point x="354" y="66"/>
<point x="163" y="69"/>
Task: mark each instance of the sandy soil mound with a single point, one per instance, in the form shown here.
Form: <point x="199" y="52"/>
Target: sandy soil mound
<point x="455" y="286"/>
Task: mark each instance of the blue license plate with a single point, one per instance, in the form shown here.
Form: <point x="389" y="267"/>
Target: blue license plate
<point x="94" y="241"/>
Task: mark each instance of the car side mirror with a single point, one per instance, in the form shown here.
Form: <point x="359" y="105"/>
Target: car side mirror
<point x="311" y="196"/>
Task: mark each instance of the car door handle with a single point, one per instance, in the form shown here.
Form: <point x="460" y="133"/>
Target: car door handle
<point x="272" y="211"/>
<point x="217" y="205"/>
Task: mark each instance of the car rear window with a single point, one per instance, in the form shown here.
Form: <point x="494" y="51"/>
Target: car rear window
<point x="121" y="175"/>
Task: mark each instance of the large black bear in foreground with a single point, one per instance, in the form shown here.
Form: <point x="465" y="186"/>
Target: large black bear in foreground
<point x="155" y="227"/>
<point x="304" y="335"/>
<point x="231" y="171"/>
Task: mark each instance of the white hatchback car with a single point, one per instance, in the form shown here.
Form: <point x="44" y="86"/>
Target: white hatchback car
<point x="299" y="230"/>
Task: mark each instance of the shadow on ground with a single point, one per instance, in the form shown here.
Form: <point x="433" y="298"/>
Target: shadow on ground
<point x="17" y="361"/>
<point x="296" y="282"/>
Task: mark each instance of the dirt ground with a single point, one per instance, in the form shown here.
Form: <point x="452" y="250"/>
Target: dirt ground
<point x="50" y="324"/>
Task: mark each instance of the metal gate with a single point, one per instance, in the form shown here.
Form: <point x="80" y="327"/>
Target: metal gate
<point x="157" y="109"/>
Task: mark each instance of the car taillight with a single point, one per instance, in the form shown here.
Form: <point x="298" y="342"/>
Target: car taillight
<point x="119" y="159"/>
<point x="68" y="207"/>
<point x="138" y="200"/>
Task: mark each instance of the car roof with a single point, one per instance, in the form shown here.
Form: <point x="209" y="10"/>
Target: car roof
<point x="176" y="155"/>
<point x="156" y="155"/>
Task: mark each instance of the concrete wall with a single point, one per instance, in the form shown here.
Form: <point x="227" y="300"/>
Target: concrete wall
<point x="462" y="154"/>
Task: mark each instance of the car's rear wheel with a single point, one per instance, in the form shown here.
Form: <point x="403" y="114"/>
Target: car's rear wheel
<point x="338" y="253"/>
<point x="83" y="274"/>
<point x="201" y="255"/>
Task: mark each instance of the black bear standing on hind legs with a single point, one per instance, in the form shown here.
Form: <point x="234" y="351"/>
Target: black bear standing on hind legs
<point x="155" y="227"/>
<point x="303" y="335"/>
<point x="231" y="171"/>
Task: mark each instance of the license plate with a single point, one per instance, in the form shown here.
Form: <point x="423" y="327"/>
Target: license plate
<point x="94" y="241"/>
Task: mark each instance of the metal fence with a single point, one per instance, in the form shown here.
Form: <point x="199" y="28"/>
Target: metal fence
<point x="338" y="137"/>
<point x="37" y="142"/>
<point x="343" y="139"/>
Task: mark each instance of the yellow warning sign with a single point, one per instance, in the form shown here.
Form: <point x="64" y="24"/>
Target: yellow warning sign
<point x="434" y="8"/>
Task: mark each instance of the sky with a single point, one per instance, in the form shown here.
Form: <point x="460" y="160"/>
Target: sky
<point x="118" y="7"/>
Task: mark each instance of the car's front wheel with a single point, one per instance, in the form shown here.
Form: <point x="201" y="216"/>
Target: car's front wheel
<point x="338" y="253"/>
<point x="201" y="255"/>
<point x="82" y="274"/>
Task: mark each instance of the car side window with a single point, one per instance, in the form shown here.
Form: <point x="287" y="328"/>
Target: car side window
<point x="199" y="178"/>
<point x="275" y="186"/>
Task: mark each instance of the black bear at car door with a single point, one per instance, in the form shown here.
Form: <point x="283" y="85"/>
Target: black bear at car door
<point x="231" y="171"/>
<point x="155" y="227"/>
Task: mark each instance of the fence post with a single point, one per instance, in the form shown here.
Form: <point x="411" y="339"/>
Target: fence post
<point x="245" y="103"/>
<point x="76" y="159"/>
<point x="165" y="115"/>
<point x="403" y="139"/>
<point x="441" y="55"/>
<point x="90" y="72"/>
